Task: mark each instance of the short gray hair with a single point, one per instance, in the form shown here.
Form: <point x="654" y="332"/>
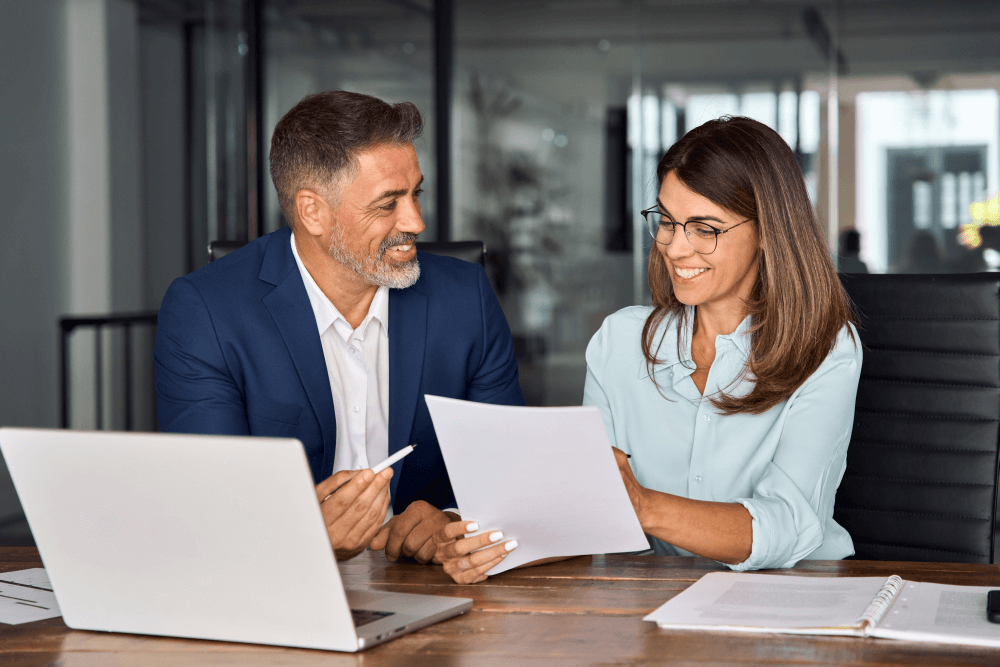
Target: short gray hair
<point x="317" y="143"/>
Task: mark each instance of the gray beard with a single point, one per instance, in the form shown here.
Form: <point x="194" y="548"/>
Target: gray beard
<point x="376" y="270"/>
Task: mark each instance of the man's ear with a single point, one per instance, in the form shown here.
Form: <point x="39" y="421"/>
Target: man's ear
<point x="311" y="212"/>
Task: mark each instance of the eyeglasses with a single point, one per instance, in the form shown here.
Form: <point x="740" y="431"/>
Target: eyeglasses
<point x="704" y="238"/>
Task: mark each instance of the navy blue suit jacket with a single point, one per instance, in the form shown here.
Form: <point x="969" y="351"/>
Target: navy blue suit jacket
<point x="238" y="353"/>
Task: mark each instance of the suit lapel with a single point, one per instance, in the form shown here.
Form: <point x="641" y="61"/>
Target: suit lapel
<point x="407" y="338"/>
<point x="288" y="304"/>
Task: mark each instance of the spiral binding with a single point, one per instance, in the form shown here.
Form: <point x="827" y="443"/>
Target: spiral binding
<point x="880" y="605"/>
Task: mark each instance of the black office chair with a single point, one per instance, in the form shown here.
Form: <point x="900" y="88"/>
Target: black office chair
<point x="219" y="249"/>
<point x="922" y="467"/>
<point x="470" y="251"/>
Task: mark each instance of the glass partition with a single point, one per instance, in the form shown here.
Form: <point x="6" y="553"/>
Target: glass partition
<point x="379" y="47"/>
<point x="563" y="110"/>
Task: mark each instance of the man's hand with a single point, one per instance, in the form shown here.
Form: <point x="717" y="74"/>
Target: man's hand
<point x="353" y="504"/>
<point x="411" y="533"/>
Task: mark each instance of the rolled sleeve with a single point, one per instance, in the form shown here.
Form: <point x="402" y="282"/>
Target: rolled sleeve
<point x="792" y="501"/>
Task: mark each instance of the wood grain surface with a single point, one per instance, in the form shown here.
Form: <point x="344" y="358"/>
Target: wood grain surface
<point x="585" y="611"/>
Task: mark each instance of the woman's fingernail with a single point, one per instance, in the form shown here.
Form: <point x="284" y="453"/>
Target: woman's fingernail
<point x="510" y="546"/>
<point x="496" y="537"/>
<point x="471" y="527"/>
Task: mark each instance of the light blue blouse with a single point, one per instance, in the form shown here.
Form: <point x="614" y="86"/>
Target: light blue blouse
<point x="784" y="465"/>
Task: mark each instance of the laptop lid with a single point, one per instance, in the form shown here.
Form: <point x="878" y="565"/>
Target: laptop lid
<point x="207" y="537"/>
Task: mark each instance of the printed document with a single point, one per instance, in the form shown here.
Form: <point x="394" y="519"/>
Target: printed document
<point x="25" y="596"/>
<point x="546" y="477"/>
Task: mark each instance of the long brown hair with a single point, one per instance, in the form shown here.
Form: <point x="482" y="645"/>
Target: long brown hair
<point x="797" y="305"/>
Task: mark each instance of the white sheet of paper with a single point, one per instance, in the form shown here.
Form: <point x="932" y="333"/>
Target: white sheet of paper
<point x="546" y="477"/>
<point x="22" y="599"/>
<point x="36" y="577"/>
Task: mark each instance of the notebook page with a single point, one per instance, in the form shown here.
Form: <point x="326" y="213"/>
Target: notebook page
<point x="750" y="602"/>
<point x="940" y="613"/>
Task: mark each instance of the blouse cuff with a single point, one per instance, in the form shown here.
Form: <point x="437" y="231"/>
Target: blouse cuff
<point x="768" y="550"/>
<point x="758" y="548"/>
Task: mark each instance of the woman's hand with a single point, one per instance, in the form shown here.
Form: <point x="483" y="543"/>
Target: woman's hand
<point x="636" y="492"/>
<point x="468" y="559"/>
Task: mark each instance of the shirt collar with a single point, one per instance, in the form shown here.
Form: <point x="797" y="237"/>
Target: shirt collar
<point x="741" y="337"/>
<point x="667" y="353"/>
<point x="327" y="314"/>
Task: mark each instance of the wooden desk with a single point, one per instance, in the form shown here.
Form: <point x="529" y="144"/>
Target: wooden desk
<point x="586" y="611"/>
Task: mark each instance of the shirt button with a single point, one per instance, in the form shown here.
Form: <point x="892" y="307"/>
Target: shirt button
<point x="353" y="350"/>
<point x="707" y="418"/>
<point x="697" y="479"/>
<point x="357" y="409"/>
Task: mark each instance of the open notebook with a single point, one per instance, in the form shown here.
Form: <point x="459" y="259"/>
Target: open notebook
<point x="863" y="606"/>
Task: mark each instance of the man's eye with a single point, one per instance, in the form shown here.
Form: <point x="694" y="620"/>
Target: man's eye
<point x="418" y="192"/>
<point x="390" y="206"/>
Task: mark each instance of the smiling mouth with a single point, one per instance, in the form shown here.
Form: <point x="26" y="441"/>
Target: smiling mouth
<point x="688" y="274"/>
<point x="399" y="243"/>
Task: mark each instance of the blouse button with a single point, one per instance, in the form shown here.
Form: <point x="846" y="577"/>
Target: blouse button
<point x="357" y="409"/>
<point x="697" y="479"/>
<point x="706" y="418"/>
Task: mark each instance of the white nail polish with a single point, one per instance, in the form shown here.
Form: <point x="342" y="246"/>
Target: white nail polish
<point x="510" y="546"/>
<point x="496" y="537"/>
<point x="471" y="527"/>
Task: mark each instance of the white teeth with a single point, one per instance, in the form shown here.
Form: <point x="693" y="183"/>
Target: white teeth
<point x="688" y="273"/>
<point x="402" y="248"/>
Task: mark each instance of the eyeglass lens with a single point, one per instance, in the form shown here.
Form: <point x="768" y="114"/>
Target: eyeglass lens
<point x="701" y="236"/>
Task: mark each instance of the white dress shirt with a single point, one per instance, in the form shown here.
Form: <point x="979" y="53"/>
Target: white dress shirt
<point x="357" y="361"/>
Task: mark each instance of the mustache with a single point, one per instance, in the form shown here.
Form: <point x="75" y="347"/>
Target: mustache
<point x="403" y="238"/>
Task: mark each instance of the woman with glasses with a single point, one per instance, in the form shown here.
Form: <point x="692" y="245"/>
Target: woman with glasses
<point x="734" y="393"/>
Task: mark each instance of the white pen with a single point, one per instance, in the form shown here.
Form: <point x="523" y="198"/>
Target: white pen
<point x="385" y="464"/>
<point x="392" y="459"/>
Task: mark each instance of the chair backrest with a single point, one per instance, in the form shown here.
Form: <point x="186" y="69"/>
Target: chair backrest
<point x="217" y="249"/>
<point x="470" y="251"/>
<point x="922" y="467"/>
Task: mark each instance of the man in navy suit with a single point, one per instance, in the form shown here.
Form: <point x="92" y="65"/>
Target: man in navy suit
<point x="333" y="329"/>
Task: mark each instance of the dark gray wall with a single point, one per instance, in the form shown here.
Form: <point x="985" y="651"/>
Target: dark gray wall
<point x="33" y="122"/>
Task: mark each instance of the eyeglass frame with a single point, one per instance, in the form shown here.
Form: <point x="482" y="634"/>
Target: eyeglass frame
<point x="718" y="232"/>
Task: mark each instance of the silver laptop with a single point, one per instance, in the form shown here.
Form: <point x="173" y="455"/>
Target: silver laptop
<point x="196" y="536"/>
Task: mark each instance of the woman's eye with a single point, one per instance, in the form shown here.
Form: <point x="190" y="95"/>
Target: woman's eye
<point x="418" y="192"/>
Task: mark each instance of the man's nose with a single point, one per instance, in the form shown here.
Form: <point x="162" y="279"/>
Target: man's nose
<point x="409" y="219"/>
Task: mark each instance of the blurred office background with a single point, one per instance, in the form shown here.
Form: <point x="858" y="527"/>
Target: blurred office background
<point x="134" y="132"/>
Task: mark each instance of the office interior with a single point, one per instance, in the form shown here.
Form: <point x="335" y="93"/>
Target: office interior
<point x="135" y="132"/>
